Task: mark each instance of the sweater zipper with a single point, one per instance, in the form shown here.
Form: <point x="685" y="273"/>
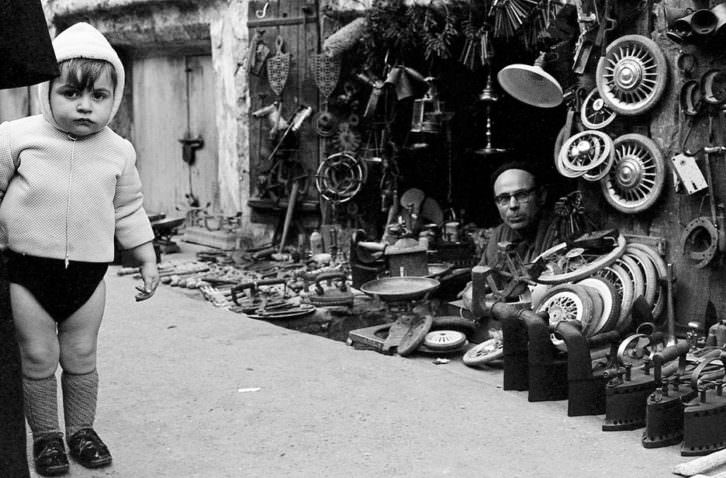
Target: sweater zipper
<point x="68" y="196"/>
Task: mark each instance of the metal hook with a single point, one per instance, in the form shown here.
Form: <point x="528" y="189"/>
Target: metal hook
<point x="262" y="13"/>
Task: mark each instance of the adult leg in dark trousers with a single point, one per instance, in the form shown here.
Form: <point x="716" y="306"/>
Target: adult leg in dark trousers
<point x="26" y="58"/>
<point x="13" y="458"/>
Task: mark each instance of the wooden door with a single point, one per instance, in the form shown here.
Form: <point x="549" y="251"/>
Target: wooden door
<point x="295" y="22"/>
<point x="173" y="97"/>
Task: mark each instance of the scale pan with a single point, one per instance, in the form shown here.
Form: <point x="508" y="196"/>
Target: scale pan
<point x="399" y="288"/>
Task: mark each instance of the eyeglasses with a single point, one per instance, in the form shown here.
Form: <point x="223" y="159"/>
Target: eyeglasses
<point x="522" y="196"/>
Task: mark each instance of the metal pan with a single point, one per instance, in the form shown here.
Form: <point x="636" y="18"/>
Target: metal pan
<point x="400" y="288"/>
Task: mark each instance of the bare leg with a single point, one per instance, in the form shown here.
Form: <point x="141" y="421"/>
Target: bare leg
<point x="78" y="334"/>
<point x="78" y="342"/>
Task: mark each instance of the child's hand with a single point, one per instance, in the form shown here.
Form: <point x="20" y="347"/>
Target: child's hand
<point x="150" y="276"/>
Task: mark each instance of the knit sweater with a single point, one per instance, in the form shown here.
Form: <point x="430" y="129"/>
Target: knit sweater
<point x="65" y="198"/>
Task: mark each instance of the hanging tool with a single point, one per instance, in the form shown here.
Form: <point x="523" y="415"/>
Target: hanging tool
<point x="278" y="68"/>
<point x="259" y="52"/>
<point x="262" y="12"/>
<point x="293" y="125"/>
<point x="376" y="85"/>
<point x="273" y="114"/>
<point x="587" y="20"/>
<point x="326" y="72"/>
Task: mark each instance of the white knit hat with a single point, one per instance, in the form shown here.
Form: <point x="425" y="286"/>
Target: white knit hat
<point x="84" y="41"/>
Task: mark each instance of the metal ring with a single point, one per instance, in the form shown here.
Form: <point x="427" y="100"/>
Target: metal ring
<point x="624" y="345"/>
<point x="686" y="63"/>
<point x="586" y="151"/>
<point x="620" y="278"/>
<point x="690" y="98"/>
<point x="340" y="177"/>
<point x="594" y="113"/>
<point x="713" y="87"/>
<point x="583" y="270"/>
<point x="661" y="273"/>
<point x="699" y="228"/>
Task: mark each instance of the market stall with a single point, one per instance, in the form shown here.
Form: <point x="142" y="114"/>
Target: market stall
<point x="415" y="104"/>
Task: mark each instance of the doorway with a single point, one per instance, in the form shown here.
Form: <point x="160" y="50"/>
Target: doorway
<point x="173" y="100"/>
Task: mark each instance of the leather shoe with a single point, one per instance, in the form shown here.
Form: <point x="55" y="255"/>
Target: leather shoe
<point x="88" y="449"/>
<point x="50" y="457"/>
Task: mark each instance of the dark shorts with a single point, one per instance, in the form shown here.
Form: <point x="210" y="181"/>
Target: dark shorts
<point x="60" y="291"/>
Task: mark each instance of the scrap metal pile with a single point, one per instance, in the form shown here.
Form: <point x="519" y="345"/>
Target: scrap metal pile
<point x="261" y="286"/>
<point x="592" y="321"/>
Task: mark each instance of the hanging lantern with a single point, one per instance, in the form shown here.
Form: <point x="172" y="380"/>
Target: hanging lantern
<point x="428" y="112"/>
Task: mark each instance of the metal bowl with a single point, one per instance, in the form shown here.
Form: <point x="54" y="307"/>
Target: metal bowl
<point x="400" y="288"/>
<point x="168" y="223"/>
<point x="438" y="269"/>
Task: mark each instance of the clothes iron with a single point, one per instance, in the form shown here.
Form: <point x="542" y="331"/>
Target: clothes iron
<point x="514" y="340"/>
<point x="628" y="390"/>
<point x="547" y="364"/>
<point x="340" y="295"/>
<point x="704" y="417"/>
<point x="664" y="407"/>
<point x="586" y="387"/>
<point x="515" y="352"/>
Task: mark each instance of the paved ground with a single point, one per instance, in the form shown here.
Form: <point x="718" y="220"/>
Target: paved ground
<point x="188" y="390"/>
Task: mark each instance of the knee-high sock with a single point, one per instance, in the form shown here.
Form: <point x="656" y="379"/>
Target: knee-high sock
<point x="79" y="400"/>
<point x="41" y="405"/>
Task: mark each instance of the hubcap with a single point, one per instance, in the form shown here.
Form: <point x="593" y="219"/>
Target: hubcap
<point x="628" y="73"/>
<point x="629" y="173"/>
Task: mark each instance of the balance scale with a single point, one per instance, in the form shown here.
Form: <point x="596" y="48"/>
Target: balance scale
<point x="400" y="296"/>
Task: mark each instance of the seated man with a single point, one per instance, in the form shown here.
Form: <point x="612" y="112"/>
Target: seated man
<point x="520" y="200"/>
<point x="525" y="224"/>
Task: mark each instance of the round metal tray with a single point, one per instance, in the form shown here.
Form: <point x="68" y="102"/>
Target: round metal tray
<point x="399" y="288"/>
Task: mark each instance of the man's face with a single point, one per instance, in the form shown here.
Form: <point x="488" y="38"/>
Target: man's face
<point x="517" y="198"/>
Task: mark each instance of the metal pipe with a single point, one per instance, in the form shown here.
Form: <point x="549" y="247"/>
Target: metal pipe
<point x="671" y="339"/>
